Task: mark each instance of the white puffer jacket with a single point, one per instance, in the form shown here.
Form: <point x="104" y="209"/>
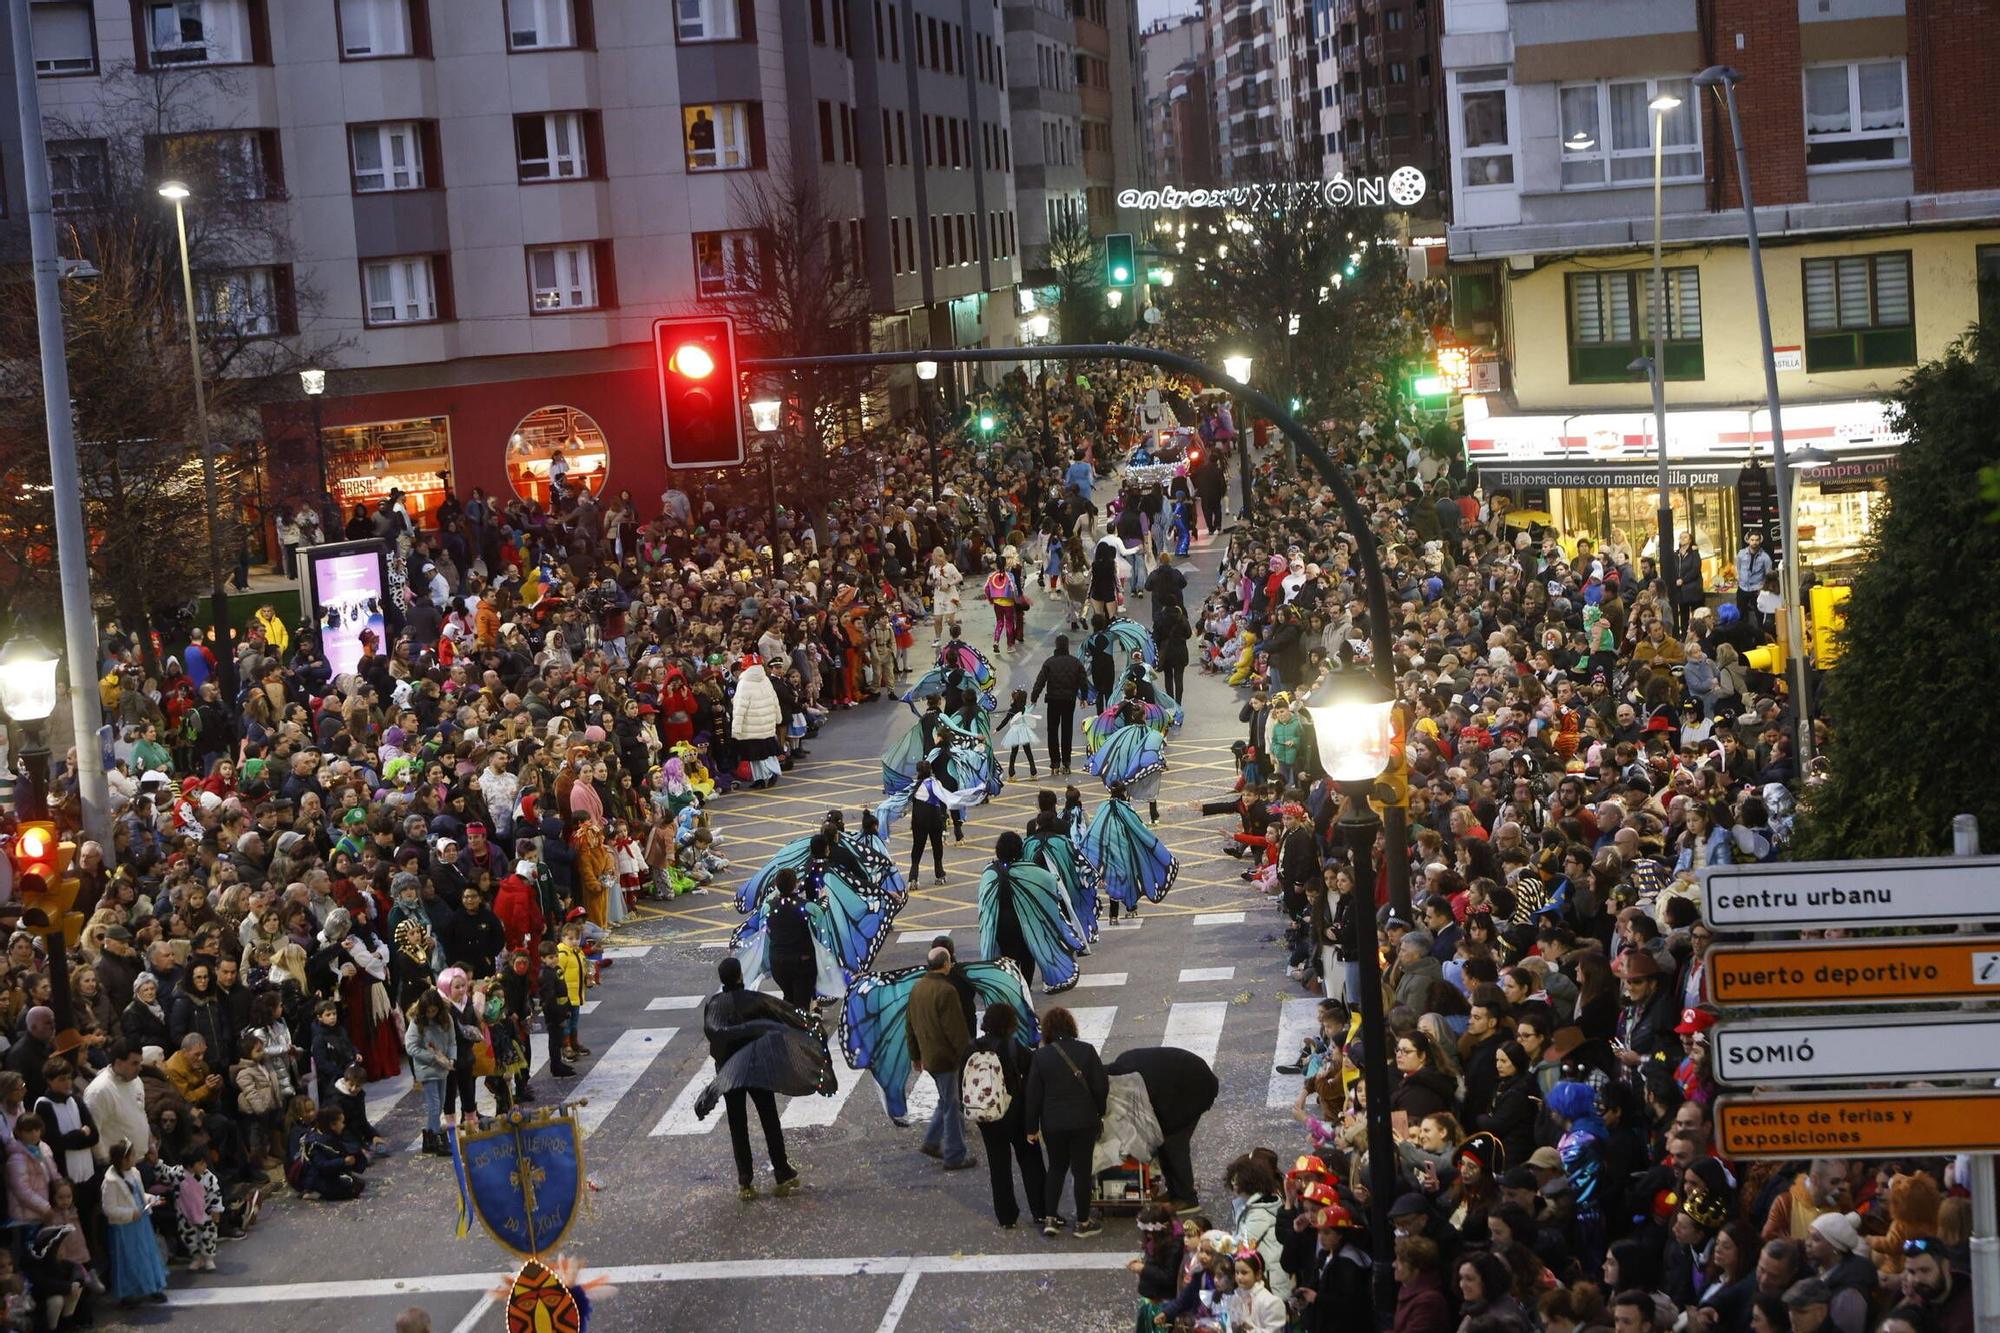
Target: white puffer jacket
<point x="755" y="716"/>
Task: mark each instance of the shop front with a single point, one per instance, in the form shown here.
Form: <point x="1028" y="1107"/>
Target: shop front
<point x="509" y="438"/>
<point x="1596" y="476"/>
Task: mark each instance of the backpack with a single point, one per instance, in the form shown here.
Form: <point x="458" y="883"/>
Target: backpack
<point x="983" y="1089"/>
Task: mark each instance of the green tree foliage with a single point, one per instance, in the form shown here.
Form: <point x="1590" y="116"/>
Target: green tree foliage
<point x="1921" y="648"/>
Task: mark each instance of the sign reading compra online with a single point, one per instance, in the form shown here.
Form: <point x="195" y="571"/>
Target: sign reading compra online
<point x="1404" y="187"/>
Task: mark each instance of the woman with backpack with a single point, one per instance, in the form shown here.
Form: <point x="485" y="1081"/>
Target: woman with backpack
<point x="991" y="1087"/>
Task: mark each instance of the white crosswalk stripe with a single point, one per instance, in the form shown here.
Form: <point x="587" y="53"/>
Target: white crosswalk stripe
<point x="663" y="1002"/>
<point x="1098" y="980"/>
<point x="1197" y="1027"/>
<point x="628" y="951"/>
<point x="680" y="1117"/>
<point x="616" y="1071"/>
<point x="1189" y="974"/>
<point x="1296" y="1022"/>
<point x="1093" y="1022"/>
<point x="801" y="1112"/>
<point x="1219" y="918"/>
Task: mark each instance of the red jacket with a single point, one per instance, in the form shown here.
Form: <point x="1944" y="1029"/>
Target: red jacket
<point x="520" y="912"/>
<point x="1421" y="1307"/>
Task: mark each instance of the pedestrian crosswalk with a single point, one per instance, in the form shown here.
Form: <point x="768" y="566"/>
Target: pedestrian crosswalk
<point x="646" y="1076"/>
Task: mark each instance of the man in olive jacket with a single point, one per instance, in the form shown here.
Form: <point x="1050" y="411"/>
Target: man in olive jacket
<point x="939" y="1041"/>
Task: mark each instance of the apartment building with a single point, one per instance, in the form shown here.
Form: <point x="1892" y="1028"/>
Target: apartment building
<point x="1075" y="105"/>
<point x="1179" y="111"/>
<point x="1381" y="89"/>
<point x="1869" y="133"/>
<point x="484" y="204"/>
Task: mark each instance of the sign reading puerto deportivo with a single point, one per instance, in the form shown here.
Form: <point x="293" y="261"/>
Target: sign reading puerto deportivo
<point x="1816" y="895"/>
<point x="1404" y="187"/>
<point x="1828" y="1048"/>
<point x="1942" y="967"/>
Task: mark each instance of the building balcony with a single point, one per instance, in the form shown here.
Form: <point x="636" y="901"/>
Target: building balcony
<point x="1371" y="48"/>
<point x="1350" y="105"/>
<point x="1345" y="11"/>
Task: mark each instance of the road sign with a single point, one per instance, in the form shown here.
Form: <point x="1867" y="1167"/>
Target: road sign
<point x="1816" y="895"/>
<point x="1944" y="967"/>
<point x="1834" y="1049"/>
<point x="1858" y="1124"/>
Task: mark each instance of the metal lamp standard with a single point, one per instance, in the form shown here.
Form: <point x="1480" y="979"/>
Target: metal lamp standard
<point x="313" y="382"/>
<point x="766" y="414"/>
<point x="1725" y="78"/>
<point x="927" y="377"/>
<point x="1656" y="365"/>
<point x="1238" y="368"/>
<point x="1354" y="731"/>
<point x="1038" y="331"/>
<point x="178" y="194"/>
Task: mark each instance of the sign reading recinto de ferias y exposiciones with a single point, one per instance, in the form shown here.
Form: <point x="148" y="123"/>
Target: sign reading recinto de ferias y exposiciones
<point x="1404" y="187"/>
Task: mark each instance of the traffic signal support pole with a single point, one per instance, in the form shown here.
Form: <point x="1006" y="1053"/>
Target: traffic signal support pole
<point x="1381" y="1146"/>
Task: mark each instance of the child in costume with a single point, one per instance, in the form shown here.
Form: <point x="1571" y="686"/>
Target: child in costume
<point x="1017" y="733"/>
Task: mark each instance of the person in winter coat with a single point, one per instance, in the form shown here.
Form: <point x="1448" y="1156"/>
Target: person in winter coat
<point x="1516" y="1103"/>
<point x="519" y="908"/>
<point x="1182" y="1087"/>
<point x="1006" y="1139"/>
<point x="31" y="1172"/>
<point x="198" y="1008"/>
<point x="1062" y="678"/>
<point x="1416" y="970"/>
<point x="757" y="722"/>
<point x="1425" y="1088"/>
<point x="1420" y="1302"/>
<point x="1684" y="574"/>
<point x="473" y="936"/>
<point x="260" y="1101"/>
<point x="727" y="1019"/>
<point x="1066" y="1091"/>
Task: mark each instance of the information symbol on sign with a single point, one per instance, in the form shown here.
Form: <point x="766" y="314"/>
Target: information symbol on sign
<point x="1407" y="186"/>
<point x="1986" y="969"/>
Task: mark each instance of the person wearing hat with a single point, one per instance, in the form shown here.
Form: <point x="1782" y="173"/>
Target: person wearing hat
<point x="1841" y="1257"/>
<point x="1646" y="1022"/>
<point x="1334" y="1284"/>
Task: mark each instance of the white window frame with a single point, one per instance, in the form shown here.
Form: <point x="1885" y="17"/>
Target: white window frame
<point x="562" y="162"/>
<point x="45" y="22"/>
<point x="224" y="24"/>
<point x="408" y="291"/>
<point x="707" y="20"/>
<point x="1495" y="79"/>
<point x="562" y="278"/>
<point x="546" y="25"/>
<point x="1605" y="154"/>
<point x="742" y="264"/>
<point x="732" y="136"/>
<point x="1852" y="135"/>
<point x="385" y="139"/>
<point x="362" y="27"/>
<point x="251" y="290"/>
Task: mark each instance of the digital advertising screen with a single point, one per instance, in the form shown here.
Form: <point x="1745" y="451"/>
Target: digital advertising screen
<point x="347" y="583"/>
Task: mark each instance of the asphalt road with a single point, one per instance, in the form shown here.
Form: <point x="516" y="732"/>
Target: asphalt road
<point x="880" y="1238"/>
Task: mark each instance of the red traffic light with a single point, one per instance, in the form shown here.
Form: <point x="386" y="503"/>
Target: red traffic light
<point x="701" y="407"/>
<point x="692" y="361"/>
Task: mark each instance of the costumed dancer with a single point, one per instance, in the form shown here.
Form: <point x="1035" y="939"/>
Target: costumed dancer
<point x="930" y="802"/>
<point x="875" y="1027"/>
<point x="761" y="1047"/>
<point x="1024" y="915"/>
<point x="847" y="922"/>
<point x="1133" y="755"/>
<point x="1051" y="845"/>
<point x="1017" y="733"/>
<point x="864" y="858"/>
<point x="1130" y="858"/>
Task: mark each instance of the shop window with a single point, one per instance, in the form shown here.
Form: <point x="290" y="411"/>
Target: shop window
<point x="364" y="463"/>
<point x="562" y="442"/>
<point x="1609" y="326"/>
<point x="1860" y="312"/>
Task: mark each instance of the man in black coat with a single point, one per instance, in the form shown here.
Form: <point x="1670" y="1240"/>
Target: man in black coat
<point x="1062" y="678"/>
<point x="473" y="937"/>
<point x="791" y="943"/>
<point x="725" y="1020"/>
<point x="1181" y="1087"/>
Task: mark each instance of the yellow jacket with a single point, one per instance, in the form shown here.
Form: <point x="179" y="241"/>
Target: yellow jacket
<point x="274" y="629"/>
<point x="575" y="971"/>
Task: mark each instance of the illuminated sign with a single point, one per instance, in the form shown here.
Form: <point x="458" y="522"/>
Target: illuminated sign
<point x="1404" y="187"/>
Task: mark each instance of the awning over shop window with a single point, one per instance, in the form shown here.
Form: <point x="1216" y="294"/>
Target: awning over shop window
<point x="1501" y="476"/>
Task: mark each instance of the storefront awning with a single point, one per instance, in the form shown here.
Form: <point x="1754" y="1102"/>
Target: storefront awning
<point x="1507" y="474"/>
<point x="1693" y="434"/>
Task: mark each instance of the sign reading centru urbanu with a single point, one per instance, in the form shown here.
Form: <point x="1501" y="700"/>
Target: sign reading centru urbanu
<point x="1404" y="187"/>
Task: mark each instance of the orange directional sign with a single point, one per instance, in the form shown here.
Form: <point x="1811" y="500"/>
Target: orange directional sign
<point x="1858" y="1124"/>
<point x="1936" y="967"/>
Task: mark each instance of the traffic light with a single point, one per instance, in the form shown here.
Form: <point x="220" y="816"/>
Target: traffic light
<point x="42" y="880"/>
<point x="986" y="423"/>
<point x="1121" y="265"/>
<point x="701" y="407"/>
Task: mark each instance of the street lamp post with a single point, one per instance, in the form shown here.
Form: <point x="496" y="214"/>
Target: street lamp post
<point x="1038" y="331"/>
<point x="314" y="384"/>
<point x="1726" y="79"/>
<point x="1354" y="732"/>
<point x="1657" y="371"/>
<point x="766" y="415"/>
<point x="926" y="380"/>
<point x="28" y="696"/>
<point x="178" y="193"/>
<point x="1238" y="368"/>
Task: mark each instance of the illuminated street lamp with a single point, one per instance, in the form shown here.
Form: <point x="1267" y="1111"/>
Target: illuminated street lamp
<point x="767" y="415"/>
<point x="1238" y="368"/>
<point x="28" y="696"/>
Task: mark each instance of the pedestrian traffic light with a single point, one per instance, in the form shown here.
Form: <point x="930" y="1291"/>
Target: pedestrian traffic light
<point x="701" y="407"/>
<point x="986" y="423"/>
<point x="1121" y="265"/>
<point x="42" y="881"/>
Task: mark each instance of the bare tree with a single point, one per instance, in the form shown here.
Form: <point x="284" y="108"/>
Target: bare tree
<point x="130" y="375"/>
<point x="1076" y="273"/>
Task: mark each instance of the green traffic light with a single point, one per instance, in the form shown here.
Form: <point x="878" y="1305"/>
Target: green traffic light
<point x="986" y="423"/>
<point x="1121" y="273"/>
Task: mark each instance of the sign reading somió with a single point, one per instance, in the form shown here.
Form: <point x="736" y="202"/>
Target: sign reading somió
<point x="1858" y="1124"/>
<point x="1854" y="971"/>
<point x="1837" y="1049"/>
<point x="1404" y="187"/>
<point x="1822" y="894"/>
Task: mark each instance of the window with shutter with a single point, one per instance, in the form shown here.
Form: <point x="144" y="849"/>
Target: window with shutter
<point x="1610" y="324"/>
<point x="1860" y="312"/>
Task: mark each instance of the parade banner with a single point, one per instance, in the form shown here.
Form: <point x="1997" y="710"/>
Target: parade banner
<point x="522" y="1175"/>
